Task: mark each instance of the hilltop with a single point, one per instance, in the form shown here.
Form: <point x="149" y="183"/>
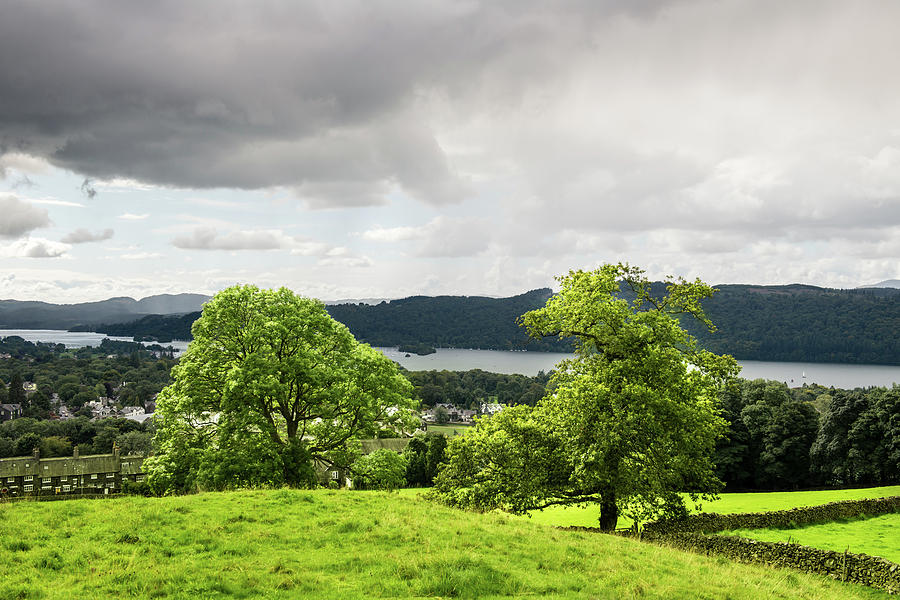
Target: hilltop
<point x="345" y="544"/>
<point x="18" y="314"/>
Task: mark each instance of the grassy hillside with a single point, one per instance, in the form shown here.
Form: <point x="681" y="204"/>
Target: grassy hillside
<point x="340" y="544"/>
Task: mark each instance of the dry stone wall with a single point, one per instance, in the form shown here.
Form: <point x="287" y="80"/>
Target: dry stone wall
<point x="691" y="534"/>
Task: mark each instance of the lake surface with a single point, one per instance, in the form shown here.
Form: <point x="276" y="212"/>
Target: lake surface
<point x="794" y="374"/>
<point x="79" y="339"/>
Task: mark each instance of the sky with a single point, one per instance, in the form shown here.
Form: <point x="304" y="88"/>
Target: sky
<point x="379" y="149"/>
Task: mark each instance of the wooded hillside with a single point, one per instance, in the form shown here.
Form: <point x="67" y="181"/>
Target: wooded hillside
<point x="779" y="323"/>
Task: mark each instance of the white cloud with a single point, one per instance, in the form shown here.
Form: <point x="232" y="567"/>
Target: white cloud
<point x="134" y="217"/>
<point x="393" y="234"/>
<point x="55" y="202"/>
<point x="23" y="163"/>
<point x="20" y="218"/>
<point x="34" y="248"/>
<point x="140" y="255"/>
<point x="209" y="238"/>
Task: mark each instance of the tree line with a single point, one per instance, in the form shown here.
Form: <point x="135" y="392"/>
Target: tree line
<point x="780" y="438"/>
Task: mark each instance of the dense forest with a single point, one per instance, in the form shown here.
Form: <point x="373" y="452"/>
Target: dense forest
<point x="804" y="323"/>
<point x="779" y="323"/>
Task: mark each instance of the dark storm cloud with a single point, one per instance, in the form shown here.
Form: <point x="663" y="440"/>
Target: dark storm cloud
<point x="320" y="97"/>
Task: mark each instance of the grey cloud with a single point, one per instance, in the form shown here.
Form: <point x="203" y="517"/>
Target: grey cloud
<point x="20" y="218"/>
<point x="82" y="236"/>
<point x="42" y="249"/>
<point x="322" y="98"/>
<point x="88" y="189"/>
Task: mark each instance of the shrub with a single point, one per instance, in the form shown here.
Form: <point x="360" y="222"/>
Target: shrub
<point x="380" y="470"/>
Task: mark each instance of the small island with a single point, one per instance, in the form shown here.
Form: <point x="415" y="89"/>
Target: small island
<point x="420" y="349"/>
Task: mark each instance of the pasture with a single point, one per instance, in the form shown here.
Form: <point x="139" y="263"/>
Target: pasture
<point x="345" y="544"/>
<point x="875" y="536"/>
<point x="586" y="516"/>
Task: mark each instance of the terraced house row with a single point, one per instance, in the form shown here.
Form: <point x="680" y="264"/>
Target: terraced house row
<point x="93" y="474"/>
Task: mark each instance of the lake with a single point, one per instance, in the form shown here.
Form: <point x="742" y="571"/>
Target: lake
<point x="794" y="374"/>
<point x="79" y="339"/>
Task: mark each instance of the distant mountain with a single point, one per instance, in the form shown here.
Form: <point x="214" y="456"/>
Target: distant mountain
<point x="887" y="283"/>
<point x="754" y="322"/>
<point x="17" y="314"/>
<point x="167" y="304"/>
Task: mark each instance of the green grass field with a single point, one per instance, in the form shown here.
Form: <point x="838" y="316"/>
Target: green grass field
<point x="450" y="430"/>
<point x="875" y="536"/>
<point x="587" y="516"/>
<point x="345" y="544"/>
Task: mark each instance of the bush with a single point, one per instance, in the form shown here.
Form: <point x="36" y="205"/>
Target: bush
<point x="136" y="488"/>
<point x="380" y="470"/>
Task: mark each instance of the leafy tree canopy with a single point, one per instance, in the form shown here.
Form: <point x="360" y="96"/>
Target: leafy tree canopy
<point x="627" y="423"/>
<point x="269" y="386"/>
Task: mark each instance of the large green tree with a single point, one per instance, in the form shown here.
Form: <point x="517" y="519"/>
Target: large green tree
<point x="628" y="423"/>
<point x="270" y="386"/>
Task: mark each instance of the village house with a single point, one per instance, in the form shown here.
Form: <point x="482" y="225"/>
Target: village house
<point x="9" y="412"/>
<point x="456" y="415"/>
<point x="94" y="474"/>
<point x="490" y="408"/>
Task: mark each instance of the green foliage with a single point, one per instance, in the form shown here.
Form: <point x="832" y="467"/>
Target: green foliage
<point x="769" y="437"/>
<point x="135" y="442"/>
<point x="629" y="422"/>
<point x="381" y="470"/>
<point x="424" y="456"/>
<point x="441" y="415"/>
<point x="859" y="438"/>
<point x="270" y="385"/>
<point x="16" y="394"/>
<point x="468" y="389"/>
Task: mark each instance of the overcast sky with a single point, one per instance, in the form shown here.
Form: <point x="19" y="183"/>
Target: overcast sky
<point x="384" y="149"/>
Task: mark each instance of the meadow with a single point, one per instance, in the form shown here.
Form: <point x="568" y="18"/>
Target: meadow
<point x="586" y="516"/>
<point x="345" y="544"/>
<point x="875" y="536"/>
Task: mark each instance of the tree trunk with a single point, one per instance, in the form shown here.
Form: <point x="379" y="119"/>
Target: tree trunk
<point x="609" y="511"/>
